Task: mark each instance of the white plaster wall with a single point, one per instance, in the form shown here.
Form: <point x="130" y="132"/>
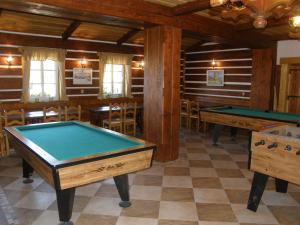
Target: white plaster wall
<point x="288" y="48"/>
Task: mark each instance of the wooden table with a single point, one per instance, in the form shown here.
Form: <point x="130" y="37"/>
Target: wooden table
<point x="98" y="114"/>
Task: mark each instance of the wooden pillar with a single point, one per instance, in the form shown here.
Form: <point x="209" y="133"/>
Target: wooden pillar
<point x="263" y="65"/>
<point x="162" y="90"/>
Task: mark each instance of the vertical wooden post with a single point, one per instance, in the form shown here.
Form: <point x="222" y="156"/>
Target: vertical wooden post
<point x="262" y="78"/>
<point x="162" y="90"/>
<point x="283" y="89"/>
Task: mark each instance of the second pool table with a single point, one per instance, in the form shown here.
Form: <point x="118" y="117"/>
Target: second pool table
<point x="71" y="154"/>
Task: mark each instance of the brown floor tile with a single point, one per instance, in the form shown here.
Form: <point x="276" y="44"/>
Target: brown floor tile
<point x="148" y="180"/>
<point x="206" y="182"/>
<point x="178" y="194"/>
<point x="80" y="202"/>
<point x="296" y="196"/>
<point x="201" y="163"/>
<point x="89" y="219"/>
<point x="229" y="173"/>
<point x="215" y="212"/>
<point x="220" y="157"/>
<point x="237" y="196"/>
<point x="142" y="208"/>
<point x="196" y="150"/>
<point x="242" y="165"/>
<point x="27" y="216"/>
<point x="177" y="171"/>
<point x="6" y="180"/>
<point x="44" y="187"/>
<point x="174" y="222"/>
<point x="108" y="190"/>
<point x="286" y="215"/>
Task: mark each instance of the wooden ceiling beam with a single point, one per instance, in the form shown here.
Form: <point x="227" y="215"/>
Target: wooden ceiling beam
<point x="70" y="29"/>
<point x="127" y="36"/>
<point x="140" y="11"/>
<point x="191" y="7"/>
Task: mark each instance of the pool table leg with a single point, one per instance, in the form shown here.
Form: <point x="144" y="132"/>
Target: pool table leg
<point x="216" y="133"/>
<point x="123" y="189"/>
<point x="65" y="200"/>
<point x="257" y="189"/>
<point x="27" y="172"/>
<point x="281" y="185"/>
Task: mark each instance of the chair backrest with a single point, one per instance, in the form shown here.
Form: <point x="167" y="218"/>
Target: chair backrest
<point x="14" y="117"/>
<point x="184" y="106"/>
<point x="73" y="113"/>
<point x="115" y="111"/>
<point x="52" y="114"/>
<point x="194" y="108"/>
<point x="130" y="110"/>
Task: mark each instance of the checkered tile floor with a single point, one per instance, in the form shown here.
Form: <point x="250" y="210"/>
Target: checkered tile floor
<point x="205" y="186"/>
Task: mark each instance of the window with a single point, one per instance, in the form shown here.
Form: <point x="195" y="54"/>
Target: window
<point x="113" y="81"/>
<point x="43" y="81"/>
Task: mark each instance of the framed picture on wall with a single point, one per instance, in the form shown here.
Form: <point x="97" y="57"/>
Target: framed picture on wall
<point x="82" y="76"/>
<point x="215" y="78"/>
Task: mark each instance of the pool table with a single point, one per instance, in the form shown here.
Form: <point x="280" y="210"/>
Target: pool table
<point x="72" y="154"/>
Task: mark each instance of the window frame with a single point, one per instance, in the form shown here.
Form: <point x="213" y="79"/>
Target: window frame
<point x="112" y="83"/>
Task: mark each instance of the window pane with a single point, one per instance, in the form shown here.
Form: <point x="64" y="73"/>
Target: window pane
<point x="50" y="77"/>
<point x="107" y="77"/>
<point x="118" y="88"/>
<point x="118" y="68"/>
<point x="118" y="77"/>
<point x="35" y="90"/>
<point x="108" y="67"/>
<point x="49" y="65"/>
<point x="107" y="88"/>
<point x="50" y="90"/>
<point x="35" y="65"/>
<point x="35" y="77"/>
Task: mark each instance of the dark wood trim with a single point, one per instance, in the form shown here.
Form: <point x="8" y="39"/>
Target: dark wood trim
<point x="70" y="29"/>
<point x="127" y="36"/>
<point x="194" y="46"/>
<point x="191" y="7"/>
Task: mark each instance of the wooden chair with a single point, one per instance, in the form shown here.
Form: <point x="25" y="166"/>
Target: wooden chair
<point x="72" y="113"/>
<point x="194" y="114"/>
<point x="184" y="112"/>
<point x="129" y="121"/>
<point x="115" y="118"/>
<point x="13" y="118"/>
<point x="52" y="114"/>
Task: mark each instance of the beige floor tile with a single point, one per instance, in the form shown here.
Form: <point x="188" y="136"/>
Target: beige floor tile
<point x="236" y="183"/>
<point x="279" y="199"/>
<point x="123" y="220"/>
<point x="206" y="182"/>
<point x="107" y="190"/>
<point x="44" y="187"/>
<point x="154" y="170"/>
<point x="221" y="164"/>
<point x="178" y="211"/>
<point x="80" y="202"/>
<point x="89" y="219"/>
<point x="36" y="200"/>
<point x="203" y="172"/>
<point x="215" y="212"/>
<point x="88" y="190"/>
<point x="145" y="192"/>
<point x="174" y="222"/>
<point x="177" y="181"/>
<point x="148" y="180"/>
<point x="177" y="171"/>
<point x="240" y="158"/>
<point x="14" y="196"/>
<point x="217" y="223"/>
<point x="27" y="216"/>
<point x="178" y="194"/>
<point x="103" y="206"/>
<point x="262" y="215"/>
<point x="198" y="156"/>
<point x="51" y="217"/>
<point x="247" y="173"/>
<point x="210" y="196"/>
<point x="20" y="186"/>
<point x="286" y="215"/>
<point x="142" y="208"/>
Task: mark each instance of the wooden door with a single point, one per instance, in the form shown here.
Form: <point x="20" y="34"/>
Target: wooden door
<point x="294" y="89"/>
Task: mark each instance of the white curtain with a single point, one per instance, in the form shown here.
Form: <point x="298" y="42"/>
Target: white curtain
<point x="120" y="59"/>
<point x="42" y="54"/>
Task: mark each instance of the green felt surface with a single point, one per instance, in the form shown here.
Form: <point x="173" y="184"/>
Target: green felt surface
<point x="259" y="113"/>
<point x="68" y="140"/>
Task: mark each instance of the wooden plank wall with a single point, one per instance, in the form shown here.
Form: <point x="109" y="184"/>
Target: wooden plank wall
<point x="237" y="65"/>
<point x="11" y="76"/>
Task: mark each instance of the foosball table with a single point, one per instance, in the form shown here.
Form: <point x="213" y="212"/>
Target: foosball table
<point x="275" y="153"/>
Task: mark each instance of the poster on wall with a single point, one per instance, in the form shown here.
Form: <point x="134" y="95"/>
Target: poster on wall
<point x="82" y="76"/>
<point x="215" y="78"/>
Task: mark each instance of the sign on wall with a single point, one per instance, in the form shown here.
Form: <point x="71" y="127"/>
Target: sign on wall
<point x="215" y="77"/>
<point x="82" y="76"/>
